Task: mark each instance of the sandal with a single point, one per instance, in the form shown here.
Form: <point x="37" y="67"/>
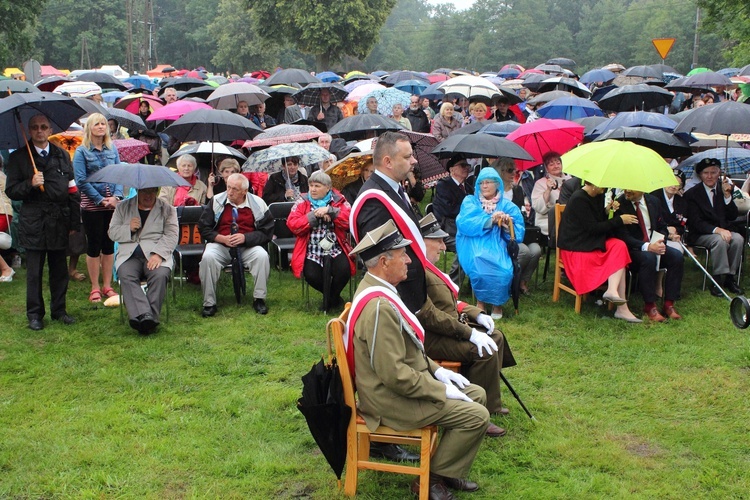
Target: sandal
<point x="77" y="276"/>
<point x="109" y="292"/>
<point x="95" y="296"/>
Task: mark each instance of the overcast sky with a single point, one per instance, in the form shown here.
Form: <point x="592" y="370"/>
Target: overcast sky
<point x="460" y="4"/>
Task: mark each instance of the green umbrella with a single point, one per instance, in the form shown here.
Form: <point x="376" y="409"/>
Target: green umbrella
<point x="619" y="164"/>
<point x="695" y="71"/>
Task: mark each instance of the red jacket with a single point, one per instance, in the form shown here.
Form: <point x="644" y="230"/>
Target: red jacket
<point x="300" y="220"/>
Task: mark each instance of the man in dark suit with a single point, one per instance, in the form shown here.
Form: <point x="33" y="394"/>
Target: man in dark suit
<point x="710" y="210"/>
<point x="649" y="252"/>
<point x="449" y="193"/>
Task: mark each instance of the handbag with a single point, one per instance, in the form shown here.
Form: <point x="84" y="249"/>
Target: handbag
<point x="5" y="240"/>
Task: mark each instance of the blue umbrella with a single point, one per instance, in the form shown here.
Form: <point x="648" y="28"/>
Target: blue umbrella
<point x="113" y="96"/>
<point x="509" y="73"/>
<point x="414" y="87"/>
<point x="356" y="83"/>
<point x="432" y="92"/>
<point x="597" y="75"/>
<point x="386" y="99"/>
<point x="729" y="72"/>
<point x="734" y="161"/>
<point x="329" y="76"/>
<point x="140" y="82"/>
<point x="137" y="175"/>
<point x="380" y="73"/>
<point x="635" y="119"/>
<point x="569" y="108"/>
<point x="500" y="129"/>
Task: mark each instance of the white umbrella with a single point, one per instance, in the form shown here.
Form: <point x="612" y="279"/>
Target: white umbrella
<point x="78" y="89"/>
<point x="229" y="95"/>
<point x="470" y="87"/>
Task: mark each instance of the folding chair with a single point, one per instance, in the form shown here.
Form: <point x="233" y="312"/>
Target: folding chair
<point x="283" y="238"/>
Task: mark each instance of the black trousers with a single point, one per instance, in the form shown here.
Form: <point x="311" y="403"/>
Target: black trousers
<point x="58" y="282"/>
<point x="644" y="263"/>
<point x="340" y="273"/>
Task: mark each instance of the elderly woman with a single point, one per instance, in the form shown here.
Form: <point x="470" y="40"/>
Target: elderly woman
<point x="483" y="226"/>
<point x="192" y="195"/>
<point x="351" y="190"/>
<point x="98" y="202"/>
<point x="218" y="183"/>
<point x="445" y="123"/>
<point x="590" y="254"/>
<point x="547" y="190"/>
<point x="398" y="115"/>
<point x="286" y="185"/>
<point x="320" y="220"/>
<point x="528" y="255"/>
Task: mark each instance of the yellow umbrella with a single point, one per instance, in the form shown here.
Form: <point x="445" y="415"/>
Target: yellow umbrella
<point x="348" y="169"/>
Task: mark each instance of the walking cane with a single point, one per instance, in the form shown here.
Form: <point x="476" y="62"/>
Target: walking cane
<point x="515" y="395"/>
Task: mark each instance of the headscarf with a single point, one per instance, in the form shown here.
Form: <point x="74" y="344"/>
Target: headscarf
<point x="488" y="174"/>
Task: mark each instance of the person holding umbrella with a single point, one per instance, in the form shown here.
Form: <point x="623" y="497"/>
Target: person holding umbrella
<point x="98" y="203"/>
<point x="43" y="179"/>
<point x="320" y="220"/>
<point x="286" y="185"/>
<point x="326" y="112"/>
<point x="146" y="230"/>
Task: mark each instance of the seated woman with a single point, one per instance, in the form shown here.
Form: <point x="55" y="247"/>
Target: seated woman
<point x="483" y="225"/>
<point x="320" y="220"/>
<point x="218" y="183"/>
<point x="547" y="190"/>
<point x="351" y="190"/>
<point x="528" y="255"/>
<point x="589" y="254"/>
<point x="286" y="185"/>
<point x="184" y="195"/>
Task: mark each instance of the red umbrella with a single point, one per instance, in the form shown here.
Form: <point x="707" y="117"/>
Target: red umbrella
<point x="543" y="136"/>
<point x="175" y="110"/>
<point x="436" y="77"/>
<point x="132" y="102"/>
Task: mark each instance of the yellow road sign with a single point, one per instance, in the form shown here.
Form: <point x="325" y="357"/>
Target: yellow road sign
<point x="663" y="46"/>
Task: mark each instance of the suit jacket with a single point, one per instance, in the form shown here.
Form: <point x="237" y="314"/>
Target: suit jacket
<point x="158" y="235"/>
<point x="702" y="218"/>
<point x="395" y="379"/>
<point x="413" y="290"/>
<point x="292" y="114"/>
<point x="673" y="219"/>
<point x="631" y="234"/>
<point x="447" y="200"/>
<point x="446" y="323"/>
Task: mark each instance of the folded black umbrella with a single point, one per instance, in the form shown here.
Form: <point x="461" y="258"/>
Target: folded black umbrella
<point x="238" y="273"/>
<point x="515" y="284"/>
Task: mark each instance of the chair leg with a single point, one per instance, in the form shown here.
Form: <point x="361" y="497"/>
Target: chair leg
<point x="579" y="300"/>
<point x="546" y="265"/>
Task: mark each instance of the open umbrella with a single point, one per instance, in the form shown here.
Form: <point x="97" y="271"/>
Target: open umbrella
<point x="471" y="87"/>
<point x="175" y="110"/>
<point x="400" y="76"/>
<point x="327" y="416"/>
<point x="272" y="160"/>
<point x="499" y="129"/>
<point x="131" y="150"/>
<point x="89" y="106"/>
<point x="725" y="118"/>
<point x="559" y="83"/>
<point x="208" y="155"/>
<point x="706" y="80"/>
<point x="284" y="133"/>
<point x="78" y="89"/>
<point x="546" y="97"/>
<point x="329" y="76"/>
<point x="137" y="175"/>
<point x="361" y="91"/>
<point x="515" y="284"/>
<point x="635" y="119"/>
<point x="104" y="80"/>
<point x="363" y="126"/>
<point x="433" y="92"/>
<point x="310" y="95"/>
<point x="635" y="97"/>
<point x="555" y="69"/>
<point x="480" y="145"/>
<point x="387" y="98"/>
<point x="597" y="76"/>
<point x="68" y="140"/>
<point x="184" y="83"/>
<point x="666" y="144"/>
<point x="619" y="164"/>
<point x="230" y="95"/>
<point x="213" y="125"/>
<point x="569" y="108"/>
<point x="565" y="62"/>
<point x="348" y="169"/>
<point x="414" y="87"/>
<point x="735" y="162"/>
<point x="430" y="168"/>
<point x="642" y="72"/>
<point x="291" y="76"/>
<point x="51" y="83"/>
<point x="201" y="92"/>
<point x="358" y="83"/>
<point x="140" y="82"/>
<point x="125" y="118"/>
<point x="132" y="102"/>
<point x="590" y="123"/>
<point x="543" y="136"/>
<point x="16" y="111"/>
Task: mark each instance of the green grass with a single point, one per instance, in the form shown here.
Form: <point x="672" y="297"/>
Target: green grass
<point x="206" y="407"/>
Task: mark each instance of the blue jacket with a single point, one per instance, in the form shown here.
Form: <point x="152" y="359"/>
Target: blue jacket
<point x="86" y="161"/>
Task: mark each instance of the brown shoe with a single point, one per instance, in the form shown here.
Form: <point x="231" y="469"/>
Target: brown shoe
<point x="438" y="491"/>
<point x="494" y="431"/>
<point x="502" y="411"/>
<point x="671" y="313"/>
<point x="653" y="315"/>
<point x="460" y="484"/>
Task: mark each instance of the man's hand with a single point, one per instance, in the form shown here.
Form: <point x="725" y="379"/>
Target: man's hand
<point x="321" y="116"/>
<point x="135" y="224"/>
<point x="449" y="378"/>
<point x="486" y="321"/>
<point x="657" y="247"/>
<point x="37" y="180"/>
<point x="725" y="234"/>
<point x="452" y="392"/>
<point x="482" y="341"/>
<point x="154" y="261"/>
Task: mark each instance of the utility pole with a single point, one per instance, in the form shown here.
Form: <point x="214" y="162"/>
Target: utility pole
<point x="154" y="56"/>
<point x="697" y="39"/>
<point x="85" y="52"/>
<point x="144" y="46"/>
<point x="129" y="56"/>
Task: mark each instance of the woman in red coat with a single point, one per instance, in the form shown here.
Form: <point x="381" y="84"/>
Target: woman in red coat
<point x="320" y="220"/>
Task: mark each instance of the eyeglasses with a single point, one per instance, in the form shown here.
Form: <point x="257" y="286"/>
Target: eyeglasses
<point x="38" y="127"/>
<point x="510" y="170"/>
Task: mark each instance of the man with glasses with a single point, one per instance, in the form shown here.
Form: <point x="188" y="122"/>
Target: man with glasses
<point x="417" y="117"/>
<point x="710" y="211"/>
<point x="42" y="178"/>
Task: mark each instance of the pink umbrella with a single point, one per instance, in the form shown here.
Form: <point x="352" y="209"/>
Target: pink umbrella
<point x="131" y="150"/>
<point x="361" y="91"/>
<point x="175" y="110"/>
<point x="436" y="77"/>
<point x="133" y="101"/>
<point x="543" y="136"/>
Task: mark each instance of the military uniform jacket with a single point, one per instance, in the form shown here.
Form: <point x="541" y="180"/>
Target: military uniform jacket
<point x="445" y="320"/>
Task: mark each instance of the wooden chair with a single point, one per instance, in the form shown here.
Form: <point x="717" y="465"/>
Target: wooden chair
<point x="559" y="267"/>
<point x="358" y="436"/>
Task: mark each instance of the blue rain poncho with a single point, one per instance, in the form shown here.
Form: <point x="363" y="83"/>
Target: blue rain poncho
<point x="482" y="246"/>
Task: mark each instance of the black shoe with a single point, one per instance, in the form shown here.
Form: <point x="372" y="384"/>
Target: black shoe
<point x="392" y="452"/>
<point x="148" y="323"/>
<point x="731" y="285"/>
<point x="260" y="306"/>
<point x="135" y="323"/>
<point x="66" y="319"/>
<point x="716" y="292"/>
<point x="209" y="311"/>
<point x="36" y="324"/>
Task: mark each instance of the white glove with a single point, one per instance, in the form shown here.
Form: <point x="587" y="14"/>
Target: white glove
<point x="449" y="378"/>
<point x="482" y="341"/>
<point x="486" y="321"/>
<point x="452" y="392"/>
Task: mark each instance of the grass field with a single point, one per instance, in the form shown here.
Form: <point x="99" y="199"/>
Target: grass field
<point x="206" y="407"/>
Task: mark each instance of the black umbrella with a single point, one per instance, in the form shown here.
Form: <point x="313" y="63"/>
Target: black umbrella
<point x="551" y="68"/>
<point x="50" y="83"/>
<point x="89" y="106"/>
<point x="202" y="92"/>
<point x="9" y="87"/>
<point x="480" y="145"/>
<point x="291" y="76"/>
<point x="400" y="76"/>
<point x="515" y="284"/>
<point x="310" y="95"/>
<point x="327" y="416"/>
<point x="562" y="61"/>
<point x="17" y="109"/>
<point x="590" y="122"/>
<point x="213" y="125"/>
<point x="363" y="126"/>
<point x="642" y="71"/>
<point x="663" y="68"/>
<point x="725" y="118"/>
<point x="665" y="143"/>
<point x="561" y="83"/>
<point x="104" y="80"/>
<point x="137" y="175"/>
<point x="706" y="80"/>
<point x="238" y="272"/>
<point x="471" y="128"/>
<point x="125" y="118"/>
<point x="184" y="83"/>
<point x="635" y="97"/>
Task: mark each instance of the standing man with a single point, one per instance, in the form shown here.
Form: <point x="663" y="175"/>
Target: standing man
<point x="649" y="252"/>
<point x="326" y="112"/>
<point x="254" y="223"/>
<point x="449" y="194"/>
<point x="710" y="210"/>
<point x="50" y="212"/>
<point x="170" y="95"/>
<point x="291" y="112"/>
<point x="259" y="117"/>
<point x="398" y="385"/>
<point x="417" y="117"/>
<point x="372" y="106"/>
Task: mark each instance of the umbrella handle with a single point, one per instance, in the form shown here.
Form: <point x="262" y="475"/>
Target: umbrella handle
<point x="28" y="148"/>
<point x="511" y="229"/>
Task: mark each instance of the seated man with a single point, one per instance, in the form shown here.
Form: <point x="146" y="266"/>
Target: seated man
<point x="710" y="210"/>
<point x="455" y="339"/>
<point x="254" y="227"/>
<point x="649" y="252"/>
<point x="146" y="230"/>
<point x="398" y="385"/>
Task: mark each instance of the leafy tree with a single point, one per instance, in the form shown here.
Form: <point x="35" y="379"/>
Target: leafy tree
<point x="184" y="36"/>
<point x="730" y="20"/>
<point x="16" y="29"/>
<point x="329" y="29"/>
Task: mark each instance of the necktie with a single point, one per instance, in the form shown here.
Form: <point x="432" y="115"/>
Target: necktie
<point x="713" y="197"/>
<point x="462" y="188"/>
<point x="43" y="153"/>
<point x="641" y="223"/>
<point x="403" y="197"/>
